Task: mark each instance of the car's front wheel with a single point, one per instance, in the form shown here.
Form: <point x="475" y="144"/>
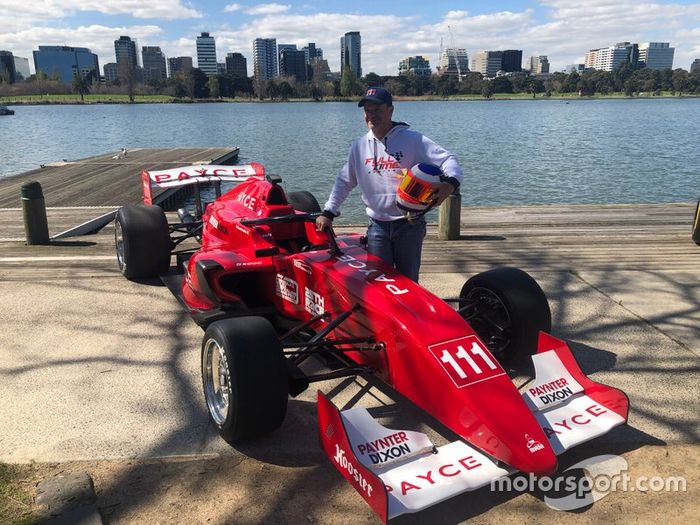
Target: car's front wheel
<point x="507" y="309"/>
<point x="245" y="379"/>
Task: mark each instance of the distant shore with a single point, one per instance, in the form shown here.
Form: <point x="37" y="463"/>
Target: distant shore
<point x="164" y="99"/>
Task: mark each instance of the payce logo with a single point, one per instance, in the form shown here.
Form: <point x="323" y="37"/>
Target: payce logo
<point x="601" y="476"/>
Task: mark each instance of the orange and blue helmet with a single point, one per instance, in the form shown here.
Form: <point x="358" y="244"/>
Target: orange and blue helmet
<point x="418" y="188"/>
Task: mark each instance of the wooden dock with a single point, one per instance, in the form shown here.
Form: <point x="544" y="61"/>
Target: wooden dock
<point x="646" y="238"/>
<point x="111" y="179"/>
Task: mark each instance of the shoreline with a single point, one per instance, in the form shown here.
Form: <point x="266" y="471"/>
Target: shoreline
<point x="72" y="100"/>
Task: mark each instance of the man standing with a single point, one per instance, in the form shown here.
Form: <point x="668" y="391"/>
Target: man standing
<point x="375" y="164"/>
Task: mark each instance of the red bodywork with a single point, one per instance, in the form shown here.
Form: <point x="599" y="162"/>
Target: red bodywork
<point x="431" y="354"/>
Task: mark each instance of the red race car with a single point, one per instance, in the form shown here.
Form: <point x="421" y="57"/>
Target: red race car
<point x="270" y="291"/>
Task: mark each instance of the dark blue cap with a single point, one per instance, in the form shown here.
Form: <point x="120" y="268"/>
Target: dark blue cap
<point x="377" y="95"/>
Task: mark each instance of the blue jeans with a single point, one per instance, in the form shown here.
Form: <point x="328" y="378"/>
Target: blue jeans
<point x="398" y="243"/>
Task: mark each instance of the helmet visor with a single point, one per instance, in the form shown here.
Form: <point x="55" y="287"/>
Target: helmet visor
<point x="417" y="189"/>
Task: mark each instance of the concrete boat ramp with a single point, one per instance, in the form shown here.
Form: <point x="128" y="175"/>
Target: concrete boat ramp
<point x="101" y="374"/>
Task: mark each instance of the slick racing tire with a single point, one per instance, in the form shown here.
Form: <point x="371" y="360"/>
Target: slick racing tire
<point x="304" y="201"/>
<point x="142" y="241"/>
<point x="244" y="374"/>
<point x="507" y="309"/>
<point x="696" y="225"/>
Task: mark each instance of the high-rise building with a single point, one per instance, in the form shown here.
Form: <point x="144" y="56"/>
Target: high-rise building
<point x="656" y="55"/>
<point x="178" y="65"/>
<point x="265" y="58"/>
<point x="695" y="66"/>
<point x="21" y="68"/>
<point x="312" y="53"/>
<point x="153" y="64"/>
<point x="488" y="63"/>
<point x="575" y="68"/>
<point x="206" y="54"/>
<point x="236" y="65"/>
<point x="111" y="72"/>
<point x="451" y="58"/>
<point x="8" y="73"/>
<point x="66" y="62"/>
<point x="417" y="65"/>
<point x="511" y="60"/>
<point x="350" y="53"/>
<point x="612" y="57"/>
<point x="538" y="64"/>
<point x="607" y="58"/>
<point x="293" y="64"/>
<point x="125" y="51"/>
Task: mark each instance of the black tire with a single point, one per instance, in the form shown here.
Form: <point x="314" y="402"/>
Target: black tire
<point x="696" y="225"/>
<point x="507" y="311"/>
<point x="145" y="241"/>
<point x="257" y="384"/>
<point x="304" y="201"/>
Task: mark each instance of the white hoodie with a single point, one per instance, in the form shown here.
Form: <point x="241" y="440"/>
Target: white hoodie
<point x="375" y="165"/>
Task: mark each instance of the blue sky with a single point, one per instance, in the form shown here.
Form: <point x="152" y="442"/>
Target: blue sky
<point x="561" y="29"/>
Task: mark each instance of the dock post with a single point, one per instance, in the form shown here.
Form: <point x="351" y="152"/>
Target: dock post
<point x="449" y="215"/>
<point x="36" y="227"/>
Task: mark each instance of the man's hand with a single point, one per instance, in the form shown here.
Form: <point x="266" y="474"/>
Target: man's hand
<point x="323" y="223"/>
<point x="444" y="190"/>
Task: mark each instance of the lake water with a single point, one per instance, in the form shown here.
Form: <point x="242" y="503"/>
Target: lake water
<point x="512" y="152"/>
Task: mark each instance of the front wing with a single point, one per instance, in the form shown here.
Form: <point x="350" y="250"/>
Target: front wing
<point x="400" y="471"/>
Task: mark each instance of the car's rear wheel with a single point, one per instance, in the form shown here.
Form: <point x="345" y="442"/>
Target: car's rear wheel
<point x="142" y="241"/>
<point x="303" y="201"/>
<point x="507" y="309"/>
<point x="245" y="379"/>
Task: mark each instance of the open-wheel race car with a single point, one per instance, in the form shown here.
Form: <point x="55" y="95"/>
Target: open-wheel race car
<point x="270" y="291"/>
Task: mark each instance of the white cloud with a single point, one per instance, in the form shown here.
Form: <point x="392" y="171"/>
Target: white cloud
<point x="232" y="7"/>
<point x="18" y="15"/>
<point x="99" y="39"/>
<point x="267" y="9"/>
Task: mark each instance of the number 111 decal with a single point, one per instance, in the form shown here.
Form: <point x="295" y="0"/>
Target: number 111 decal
<point x="466" y="360"/>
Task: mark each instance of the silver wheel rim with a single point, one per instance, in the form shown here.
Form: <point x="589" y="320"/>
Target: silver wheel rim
<point x="217" y="381"/>
<point x="119" y="242"/>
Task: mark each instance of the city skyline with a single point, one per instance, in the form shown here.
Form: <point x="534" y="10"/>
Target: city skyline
<point x="548" y="27"/>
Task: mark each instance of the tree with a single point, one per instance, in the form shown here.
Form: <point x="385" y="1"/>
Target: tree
<point x="126" y="76"/>
<point x="487" y="89"/>
<point x="680" y="80"/>
<point x="200" y="83"/>
<point x="348" y="83"/>
<point x="81" y="85"/>
<point x="502" y="85"/>
<point x="373" y="79"/>
<point x="519" y="82"/>
<point x="535" y="86"/>
<point x="214" y="86"/>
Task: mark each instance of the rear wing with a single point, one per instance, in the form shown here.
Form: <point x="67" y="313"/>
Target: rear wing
<point x="198" y="174"/>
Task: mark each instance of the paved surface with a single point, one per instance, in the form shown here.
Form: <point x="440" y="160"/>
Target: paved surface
<point x="95" y="367"/>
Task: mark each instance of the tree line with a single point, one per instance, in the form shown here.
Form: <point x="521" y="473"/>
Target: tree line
<point x="195" y="85"/>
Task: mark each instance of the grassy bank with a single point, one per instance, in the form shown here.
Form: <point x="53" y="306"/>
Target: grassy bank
<point x="16" y="483"/>
<point x="165" y="99"/>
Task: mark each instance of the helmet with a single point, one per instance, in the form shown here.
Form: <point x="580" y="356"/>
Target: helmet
<point x="418" y="187"/>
